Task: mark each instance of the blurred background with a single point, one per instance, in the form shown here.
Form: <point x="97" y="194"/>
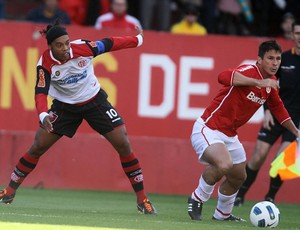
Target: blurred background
<point x="246" y="17"/>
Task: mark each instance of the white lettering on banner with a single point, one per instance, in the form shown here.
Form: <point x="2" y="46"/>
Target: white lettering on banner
<point x="145" y="109"/>
<point x="187" y="88"/>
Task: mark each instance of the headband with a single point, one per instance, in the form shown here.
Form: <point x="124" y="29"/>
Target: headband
<point x="55" y="32"/>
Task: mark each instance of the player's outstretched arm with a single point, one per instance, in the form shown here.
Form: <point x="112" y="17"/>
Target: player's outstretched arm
<point x="241" y="80"/>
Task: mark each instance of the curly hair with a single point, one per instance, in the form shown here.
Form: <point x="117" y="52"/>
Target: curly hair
<point x="53" y="31"/>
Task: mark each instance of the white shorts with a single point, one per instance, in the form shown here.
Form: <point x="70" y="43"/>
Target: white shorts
<point x="202" y="137"/>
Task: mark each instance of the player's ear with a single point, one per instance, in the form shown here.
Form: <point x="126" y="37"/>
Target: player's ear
<point x="259" y="60"/>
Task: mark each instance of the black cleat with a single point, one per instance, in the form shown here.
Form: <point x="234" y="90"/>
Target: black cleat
<point x="6" y="199"/>
<point x="195" y="209"/>
<point x="146" y="207"/>
<point x="239" y="201"/>
<point x="231" y="218"/>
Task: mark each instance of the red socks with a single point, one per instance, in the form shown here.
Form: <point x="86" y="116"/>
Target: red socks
<point x="132" y="168"/>
<point x="25" y="165"/>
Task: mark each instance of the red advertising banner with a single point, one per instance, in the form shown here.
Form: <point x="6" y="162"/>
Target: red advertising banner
<point x="159" y="88"/>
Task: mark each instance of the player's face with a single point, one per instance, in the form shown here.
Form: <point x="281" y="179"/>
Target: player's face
<point x="270" y="63"/>
<point x="119" y="7"/>
<point x="296" y="36"/>
<point x="60" y="48"/>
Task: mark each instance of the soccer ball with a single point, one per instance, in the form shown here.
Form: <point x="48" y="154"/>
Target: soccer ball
<point x="265" y="214"/>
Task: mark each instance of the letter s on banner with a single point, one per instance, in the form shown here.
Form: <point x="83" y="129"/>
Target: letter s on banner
<point x="145" y="109"/>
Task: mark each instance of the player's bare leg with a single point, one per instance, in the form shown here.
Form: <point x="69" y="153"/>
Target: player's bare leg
<point x="259" y="155"/>
<point x="220" y="164"/>
<point x="227" y="192"/>
<point x="131" y="166"/>
<point x="42" y="142"/>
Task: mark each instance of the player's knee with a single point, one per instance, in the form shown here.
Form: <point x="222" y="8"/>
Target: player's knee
<point x="241" y="178"/>
<point x="224" y="167"/>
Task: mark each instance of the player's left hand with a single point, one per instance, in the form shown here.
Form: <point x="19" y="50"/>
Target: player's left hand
<point x="47" y="124"/>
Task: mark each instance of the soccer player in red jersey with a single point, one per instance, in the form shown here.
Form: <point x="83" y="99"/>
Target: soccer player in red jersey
<point x="65" y="72"/>
<point x="214" y="136"/>
<point x="117" y="18"/>
<point x="289" y="79"/>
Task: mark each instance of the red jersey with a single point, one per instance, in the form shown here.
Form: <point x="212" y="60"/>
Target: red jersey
<point x="235" y="105"/>
<point x="111" y="20"/>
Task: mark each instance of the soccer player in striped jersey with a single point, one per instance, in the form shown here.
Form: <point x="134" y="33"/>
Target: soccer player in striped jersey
<point x="65" y="72"/>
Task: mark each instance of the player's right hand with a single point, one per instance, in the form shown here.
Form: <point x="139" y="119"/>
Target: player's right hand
<point x="264" y="83"/>
<point x="47" y="124"/>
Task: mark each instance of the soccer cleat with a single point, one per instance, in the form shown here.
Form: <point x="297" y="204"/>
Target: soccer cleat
<point x="270" y="199"/>
<point x="239" y="201"/>
<point x="146" y="207"/>
<point x="195" y="209"/>
<point x="231" y="218"/>
<point x="6" y="199"/>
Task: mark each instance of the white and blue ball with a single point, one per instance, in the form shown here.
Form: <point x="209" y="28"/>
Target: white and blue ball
<point x="265" y="214"/>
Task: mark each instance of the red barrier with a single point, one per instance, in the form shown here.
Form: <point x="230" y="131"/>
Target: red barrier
<point x="88" y="161"/>
<point x="151" y="87"/>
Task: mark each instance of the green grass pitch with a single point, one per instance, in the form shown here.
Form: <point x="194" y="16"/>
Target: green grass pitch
<point x="44" y="209"/>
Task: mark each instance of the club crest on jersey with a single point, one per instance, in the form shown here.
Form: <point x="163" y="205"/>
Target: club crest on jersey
<point x="57" y="73"/>
<point x="268" y="89"/>
<point x="82" y="63"/>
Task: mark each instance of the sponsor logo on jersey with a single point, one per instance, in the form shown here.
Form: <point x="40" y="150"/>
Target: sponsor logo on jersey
<point x="82" y="63"/>
<point x="251" y="96"/>
<point x="73" y="78"/>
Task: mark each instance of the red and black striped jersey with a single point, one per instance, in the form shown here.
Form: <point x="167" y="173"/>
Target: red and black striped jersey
<point x="74" y="81"/>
